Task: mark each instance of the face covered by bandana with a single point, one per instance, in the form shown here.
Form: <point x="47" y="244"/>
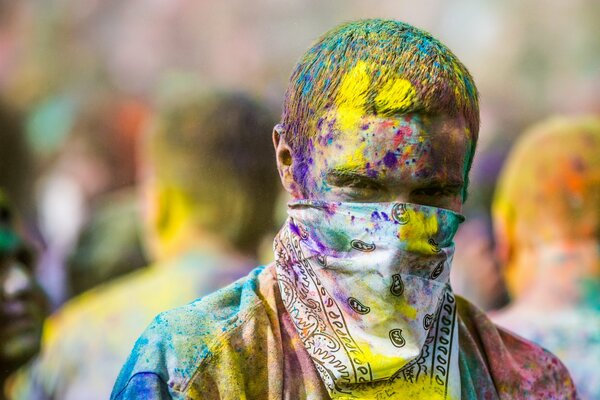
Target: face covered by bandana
<point x="366" y="285"/>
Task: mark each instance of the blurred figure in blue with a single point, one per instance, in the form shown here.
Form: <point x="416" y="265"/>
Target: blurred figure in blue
<point x="547" y="222"/>
<point x="23" y="303"/>
<point x="208" y="193"/>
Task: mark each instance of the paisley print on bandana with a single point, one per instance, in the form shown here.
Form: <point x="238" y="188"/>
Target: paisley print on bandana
<point x="366" y="285"/>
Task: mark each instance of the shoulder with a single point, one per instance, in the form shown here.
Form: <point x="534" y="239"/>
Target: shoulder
<point x="516" y="366"/>
<point x="177" y="341"/>
<point x="100" y="300"/>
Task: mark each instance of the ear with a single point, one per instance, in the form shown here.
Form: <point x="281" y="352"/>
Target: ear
<point x="285" y="162"/>
<point x="503" y="243"/>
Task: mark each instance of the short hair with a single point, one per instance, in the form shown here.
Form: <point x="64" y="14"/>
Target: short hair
<point x="548" y="192"/>
<point x="216" y="149"/>
<point x="415" y="72"/>
<point x="549" y="188"/>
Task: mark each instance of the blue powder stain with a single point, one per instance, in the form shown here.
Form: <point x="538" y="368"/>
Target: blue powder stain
<point x="390" y="159"/>
<point x="308" y="85"/>
<point x="320" y="245"/>
<point x="294" y="228"/>
<point x="301" y="170"/>
<point x="330" y="209"/>
<point x="371" y="173"/>
<point x="385" y="216"/>
<point x="375" y="215"/>
<point x="319" y="123"/>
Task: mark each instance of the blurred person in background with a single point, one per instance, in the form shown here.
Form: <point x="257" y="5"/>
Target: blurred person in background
<point x="94" y="159"/>
<point x="547" y="224"/>
<point x="378" y="131"/>
<point x="17" y="169"/>
<point x="24" y="304"/>
<point x="208" y="188"/>
<point x="109" y="244"/>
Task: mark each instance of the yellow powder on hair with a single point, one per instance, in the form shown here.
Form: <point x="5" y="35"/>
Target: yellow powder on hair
<point x="351" y="98"/>
<point x="397" y="96"/>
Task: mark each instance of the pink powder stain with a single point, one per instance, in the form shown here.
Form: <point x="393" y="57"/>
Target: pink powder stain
<point x="401" y="135"/>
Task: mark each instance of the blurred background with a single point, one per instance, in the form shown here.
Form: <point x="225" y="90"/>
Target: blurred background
<point x="63" y="60"/>
<point x="79" y="79"/>
<point x="85" y="74"/>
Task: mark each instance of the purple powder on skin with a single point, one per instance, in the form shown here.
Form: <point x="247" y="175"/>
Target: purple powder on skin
<point x="390" y="159"/>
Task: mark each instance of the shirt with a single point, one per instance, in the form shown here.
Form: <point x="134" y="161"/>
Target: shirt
<point x="85" y="344"/>
<point x="239" y="343"/>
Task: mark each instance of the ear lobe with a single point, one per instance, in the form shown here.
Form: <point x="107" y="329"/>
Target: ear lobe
<point x="502" y="242"/>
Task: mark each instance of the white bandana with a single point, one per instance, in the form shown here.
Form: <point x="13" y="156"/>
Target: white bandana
<point x="366" y="285"/>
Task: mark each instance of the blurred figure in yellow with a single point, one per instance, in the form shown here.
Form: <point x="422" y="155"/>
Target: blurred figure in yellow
<point x="23" y="304"/>
<point x="547" y="222"/>
<point x="208" y="188"/>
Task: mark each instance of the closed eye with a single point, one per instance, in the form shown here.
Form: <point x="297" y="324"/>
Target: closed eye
<point x="352" y="180"/>
<point x="438" y="190"/>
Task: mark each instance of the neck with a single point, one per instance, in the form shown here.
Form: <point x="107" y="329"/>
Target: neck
<point x="564" y="273"/>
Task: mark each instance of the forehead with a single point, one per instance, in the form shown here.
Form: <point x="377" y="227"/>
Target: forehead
<point x="414" y="144"/>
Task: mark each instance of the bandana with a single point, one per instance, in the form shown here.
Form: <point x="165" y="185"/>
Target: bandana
<point x="366" y="285"/>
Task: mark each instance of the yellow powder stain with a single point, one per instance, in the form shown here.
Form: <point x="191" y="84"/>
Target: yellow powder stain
<point x="398" y="389"/>
<point x="397" y="96"/>
<point x="418" y="231"/>
<point x="378" y="361"/>
<point x="356" y="159"/>
<point x="352" y="96"/>
<point x="406" y="309"/>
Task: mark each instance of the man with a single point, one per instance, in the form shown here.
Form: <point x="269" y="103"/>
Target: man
<point x="547" y="219"/>
<point x="24" y="305"/>
<point x="208" y="191"/>
<point x="377" y="135"/>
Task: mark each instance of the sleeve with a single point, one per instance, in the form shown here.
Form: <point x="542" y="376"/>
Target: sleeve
<point x="144" y="385"/>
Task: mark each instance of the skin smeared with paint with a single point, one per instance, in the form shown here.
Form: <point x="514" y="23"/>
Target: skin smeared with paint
<point x="409" y="159"/>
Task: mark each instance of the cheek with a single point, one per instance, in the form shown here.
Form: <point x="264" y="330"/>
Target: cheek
<point x="307" y="167"/>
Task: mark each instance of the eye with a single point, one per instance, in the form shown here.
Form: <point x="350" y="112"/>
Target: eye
<point x="363" y="185"/>
<point x="25" y="257"/>
<point x="437" y="191"/>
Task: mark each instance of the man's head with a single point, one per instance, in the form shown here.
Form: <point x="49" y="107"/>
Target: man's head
<point x="378" y="110"/>
<point x="24" y="304"/>
<point x="548" y="193"/>
<point x="208" y="168"/>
